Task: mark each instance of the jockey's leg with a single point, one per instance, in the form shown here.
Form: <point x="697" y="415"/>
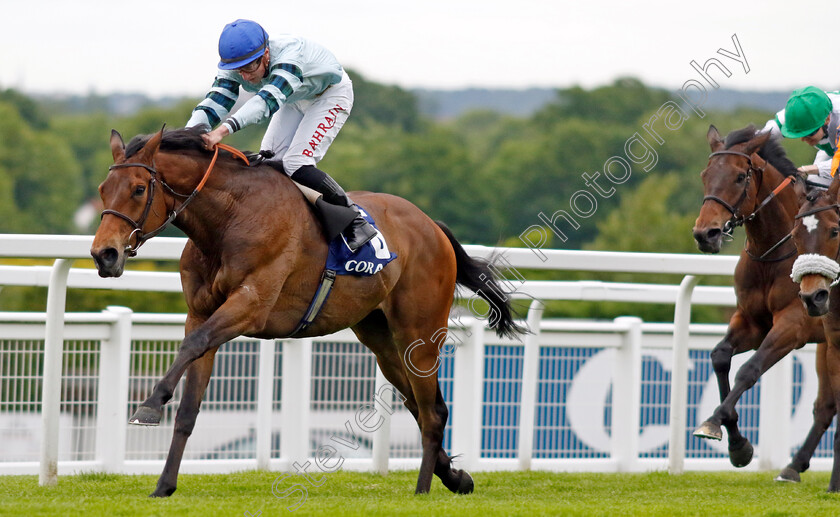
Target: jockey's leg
<point x="307" y="130"/>
<point x="357" y="231"/>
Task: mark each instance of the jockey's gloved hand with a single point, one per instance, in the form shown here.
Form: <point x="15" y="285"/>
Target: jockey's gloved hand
<point x="255" y="159"/>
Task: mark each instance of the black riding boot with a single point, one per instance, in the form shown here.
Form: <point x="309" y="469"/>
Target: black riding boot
<point x="358" y="232"/>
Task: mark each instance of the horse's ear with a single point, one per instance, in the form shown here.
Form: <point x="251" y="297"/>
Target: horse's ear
<point x="152" y="145"/>
<point x="714" y="139"/>
<point x="757" y="142"/>
<point x="117" y="146"/>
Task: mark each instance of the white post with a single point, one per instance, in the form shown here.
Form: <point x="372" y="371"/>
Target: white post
<point x="296" y="383"/>
<point x="382" y="435"/>
<point x="774" y="427"/>
<point x="112" y="417"/>
<point x="626" y="396"/>
<point x="265" y="403"/>
<point x="53" y="349"/>
<point x="530" y="374"/>
<point x="468" y="397"/>
<point x="679" y="376"/>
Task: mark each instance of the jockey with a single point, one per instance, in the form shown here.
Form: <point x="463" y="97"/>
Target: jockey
<point x="306" y="94"/>
<point x="813" y="116"/>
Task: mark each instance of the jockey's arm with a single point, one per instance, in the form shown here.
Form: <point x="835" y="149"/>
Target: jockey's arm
<point x="214" y="137"/>
<point x="822" y="164"/>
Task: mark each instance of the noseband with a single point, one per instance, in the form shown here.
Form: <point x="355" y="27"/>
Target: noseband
<point x="187" y="198"/>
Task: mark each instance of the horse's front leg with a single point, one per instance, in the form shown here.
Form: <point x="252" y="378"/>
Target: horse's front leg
<point x="240" y="314"/>
<point x="833" y="368"/>
<point x="742" y="335"/>
<point x="824" y="411"/>
<point x="198" y="375"/>
<point x="782" y="338"/>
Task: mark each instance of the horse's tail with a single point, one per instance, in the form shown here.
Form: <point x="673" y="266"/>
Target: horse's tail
<point x="476" y="275"/>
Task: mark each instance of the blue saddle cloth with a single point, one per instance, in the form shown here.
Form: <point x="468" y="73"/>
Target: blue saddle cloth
<point x="368" y="260"/>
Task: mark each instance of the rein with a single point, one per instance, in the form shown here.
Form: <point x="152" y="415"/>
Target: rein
<point x="187" y="198"/>
<point x="817" y="210"/>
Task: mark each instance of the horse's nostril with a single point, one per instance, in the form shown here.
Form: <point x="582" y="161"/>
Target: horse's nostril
<point x="821" y="296"/>
<point x="707" y="236"/>
<point x="817" y="298"/>
<point x="108" y="257"/>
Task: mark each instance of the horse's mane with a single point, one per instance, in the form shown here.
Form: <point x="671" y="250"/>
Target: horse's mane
<point x="183" y="139"/>
<point x="772" y="150"/>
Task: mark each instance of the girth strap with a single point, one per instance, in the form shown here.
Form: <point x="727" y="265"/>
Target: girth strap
<point x="317" y="303"/>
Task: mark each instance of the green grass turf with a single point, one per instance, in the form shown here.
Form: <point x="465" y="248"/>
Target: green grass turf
<point x="497" y="493"/>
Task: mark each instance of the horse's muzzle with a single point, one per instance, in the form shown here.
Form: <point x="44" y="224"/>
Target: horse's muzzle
<point x="709" y="239"/>
<point x="109" y="262"/>
<point x="816" y="302"/>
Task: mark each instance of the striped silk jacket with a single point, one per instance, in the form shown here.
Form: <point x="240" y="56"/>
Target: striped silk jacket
<point x="299" y="69"/>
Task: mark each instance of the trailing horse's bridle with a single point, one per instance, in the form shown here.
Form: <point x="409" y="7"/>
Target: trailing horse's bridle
<point x="835" y="206"/>
<point x="815" y="263"/>
<point x="787" y="237"/>
<point x="187" y="198"/>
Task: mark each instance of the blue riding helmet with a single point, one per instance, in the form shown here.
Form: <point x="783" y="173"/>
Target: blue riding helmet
<point x="241" y="42"/>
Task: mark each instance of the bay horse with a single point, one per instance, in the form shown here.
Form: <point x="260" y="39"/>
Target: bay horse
<point x="749" y="181"/>
<point x="816" y="234"/>
<point x="252" y="263"/>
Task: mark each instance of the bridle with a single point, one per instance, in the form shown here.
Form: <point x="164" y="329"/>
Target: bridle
<point x="835" y="206"/>
<point x="736" y="219"/>
<point x="137" y="232"/>
<point x="814" y="263"/>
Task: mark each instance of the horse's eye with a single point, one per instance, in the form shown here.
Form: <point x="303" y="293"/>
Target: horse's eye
<point x="835" y="231"/>
<point x="740" y="178"/>
<point x="139" y="190"/>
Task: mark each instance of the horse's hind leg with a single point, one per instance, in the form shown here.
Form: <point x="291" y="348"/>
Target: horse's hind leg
<point x="374" y="332"/>
<point x="419" y="349"/>
<point x="824" y="410"/>
<point x="455" y="480"/>
<point x="198" y="375"/>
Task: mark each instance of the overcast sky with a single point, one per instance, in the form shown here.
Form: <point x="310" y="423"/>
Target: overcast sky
<point x="170" y="47"/>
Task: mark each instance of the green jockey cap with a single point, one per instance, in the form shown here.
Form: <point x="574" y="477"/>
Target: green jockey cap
<point x="805" y="112"/>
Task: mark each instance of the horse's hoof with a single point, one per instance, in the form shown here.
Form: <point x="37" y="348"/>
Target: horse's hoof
<point x="163" y="492"/>
<point x="710" y="431"/>
<point x="146" y="416"/>
<point x="466" y="485"/>
<point x="458" y="481"/>
<point x="788" y="475"/>
<point x="741" y="455"/>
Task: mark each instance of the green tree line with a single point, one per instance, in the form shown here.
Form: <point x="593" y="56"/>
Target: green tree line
<point x="487" y="175"/>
